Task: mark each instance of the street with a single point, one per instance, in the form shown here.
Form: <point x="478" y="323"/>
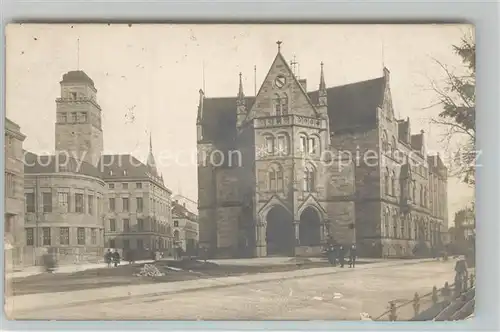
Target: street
<point x="342" y="295"/>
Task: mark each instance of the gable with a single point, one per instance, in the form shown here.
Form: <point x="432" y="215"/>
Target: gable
<point x="349" y="106"/>
<point x="280" y="81"/>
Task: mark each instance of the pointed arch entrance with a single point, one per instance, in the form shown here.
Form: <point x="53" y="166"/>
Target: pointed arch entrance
<point x="280" y="234"/>
<point x="310" y="227"/>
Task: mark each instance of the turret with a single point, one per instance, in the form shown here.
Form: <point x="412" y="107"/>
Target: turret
<point x="241" y="108"/>
<point x="199" y="117"/>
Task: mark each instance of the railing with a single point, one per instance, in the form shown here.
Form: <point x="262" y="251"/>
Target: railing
<point x="411" y="309"/>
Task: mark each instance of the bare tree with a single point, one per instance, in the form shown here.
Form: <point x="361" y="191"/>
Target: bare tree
<point x="457" y="98"/>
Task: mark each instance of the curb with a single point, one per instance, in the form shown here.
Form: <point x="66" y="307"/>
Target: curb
<point x="206" y="287"/>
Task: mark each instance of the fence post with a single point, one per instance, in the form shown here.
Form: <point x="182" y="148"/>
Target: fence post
<point x="446" y="292"/>
<point x="416" y="304"/>
<point x="434" y="295"/>
<point x="392" y="314"/>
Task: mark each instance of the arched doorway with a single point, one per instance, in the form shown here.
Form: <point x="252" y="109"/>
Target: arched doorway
<point x="310" y="228"/>
<point x="280" y="235"/>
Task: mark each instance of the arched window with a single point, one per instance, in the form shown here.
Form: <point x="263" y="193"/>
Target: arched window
<point x="403" y="224"/>
<point x="277" y="105"/>
<point x="309" y="176"/>
<point x="425" y="196"/>
<point x="275" y="178"/>
<point x="312" y="145"/>
<point x="421" y="195"/>
<point x="269" y="144"/>
<point x="414" y="191"/>
<point x="387" y="229"/>
<point x="386" y="181"/>
<point x="395" y="224"/>
<point x="393" y="183"/>
<point x="303" y="144"/>
<point x="282" y="148"/>
<point x="284" y="104"/>
<point x="384" y="141"/>
<point x="415" y="229"/>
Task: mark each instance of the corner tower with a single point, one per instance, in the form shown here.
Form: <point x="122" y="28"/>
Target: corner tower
<point x="78" y="129"/>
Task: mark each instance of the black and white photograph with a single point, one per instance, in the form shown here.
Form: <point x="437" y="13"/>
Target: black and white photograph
<point x="240" y="172"/>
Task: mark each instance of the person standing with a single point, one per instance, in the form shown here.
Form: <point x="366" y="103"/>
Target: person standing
<point x="352" y="256"/>
<point x="108" y="257"/>
<point x="341" y="255"/>
<point x="116" y="258"/>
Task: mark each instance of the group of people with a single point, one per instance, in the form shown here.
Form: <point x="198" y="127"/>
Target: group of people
<point x="337" y="253"/>
<point x="112" y="257"/>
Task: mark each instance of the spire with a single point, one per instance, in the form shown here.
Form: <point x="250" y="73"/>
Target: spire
<point x="241" y="95"/>
<point x="150" y="143"/>
<point x="279" y="42"/>
<point x="151" y="159"/>
<point x="322" y="93"/>
<point x="322" y="85"/>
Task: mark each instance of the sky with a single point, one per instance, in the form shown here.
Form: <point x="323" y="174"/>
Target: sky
<point x="148" y="77"/>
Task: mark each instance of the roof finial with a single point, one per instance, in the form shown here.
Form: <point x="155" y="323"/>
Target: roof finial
<point x="279" y="42"/>
<point x="78" y="54"/>
<point x="322" y="85"/>
<point x="241" y="95"/>
<point x="150" y="142"/>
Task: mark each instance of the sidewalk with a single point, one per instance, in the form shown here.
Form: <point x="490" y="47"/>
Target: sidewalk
<point x="34" y="270"/>
<point x="33" y="301"/>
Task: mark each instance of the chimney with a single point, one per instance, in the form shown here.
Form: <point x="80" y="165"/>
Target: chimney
<point x="303" y="82"/>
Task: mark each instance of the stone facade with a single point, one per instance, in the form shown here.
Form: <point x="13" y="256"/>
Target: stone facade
<point x="68" y="195"/>
<point x="308" y="166"/>
<point x="138" y="214"/>
<point x="186" y="228"/>
<point x="14" y="196"/>
<point x="64" y="212"/>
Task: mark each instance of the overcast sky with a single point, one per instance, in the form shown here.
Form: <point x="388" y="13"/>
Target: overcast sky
<point x="148" y="77"/>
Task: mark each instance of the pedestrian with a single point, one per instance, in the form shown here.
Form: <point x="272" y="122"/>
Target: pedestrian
<point x="352" y="256"/>
<point x="331" y="255"/>
<point x="108" y="256"/>
<point x="116" y="258"/>
<point x="341" y="255"/>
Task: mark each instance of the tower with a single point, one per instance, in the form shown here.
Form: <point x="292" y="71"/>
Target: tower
<point x="78" y="131"/>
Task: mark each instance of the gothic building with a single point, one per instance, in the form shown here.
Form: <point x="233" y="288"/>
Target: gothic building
<point x="286" y="171"/>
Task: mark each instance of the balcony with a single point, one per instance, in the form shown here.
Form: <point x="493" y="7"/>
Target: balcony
<point x="285" y="120"/>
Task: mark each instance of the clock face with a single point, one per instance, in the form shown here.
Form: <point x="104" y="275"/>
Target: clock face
<point x="280" y="81"/>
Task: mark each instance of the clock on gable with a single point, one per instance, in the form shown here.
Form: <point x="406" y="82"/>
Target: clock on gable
<point x="280" y="81"/>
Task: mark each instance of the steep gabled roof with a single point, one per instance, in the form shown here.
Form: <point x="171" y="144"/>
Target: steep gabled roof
<point x="351" y="105"/>
<point x="354" y="105"/>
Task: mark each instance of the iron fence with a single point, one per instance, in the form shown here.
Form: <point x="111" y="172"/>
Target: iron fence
<point x="408" y="310"/>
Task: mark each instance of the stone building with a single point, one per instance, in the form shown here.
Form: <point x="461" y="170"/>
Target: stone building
<point x="139" y="205"/>
<point x="185" y="228"/>
<point x="282" y="172"/>
<point x="14" y="199"/>
<point x="79" y="201"/>
<point x="64" y="208"/>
